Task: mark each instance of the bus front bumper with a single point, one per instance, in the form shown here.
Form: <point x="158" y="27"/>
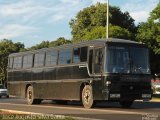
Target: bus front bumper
<point x="131" y="96"/>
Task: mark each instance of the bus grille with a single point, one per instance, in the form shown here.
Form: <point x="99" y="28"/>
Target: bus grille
<point x="134" y="89"/>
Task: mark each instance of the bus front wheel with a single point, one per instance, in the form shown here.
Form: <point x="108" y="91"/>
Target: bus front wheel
<point x="87" y="97"/>
<point x="126" y="104"/>
<point x="30" y="97"/>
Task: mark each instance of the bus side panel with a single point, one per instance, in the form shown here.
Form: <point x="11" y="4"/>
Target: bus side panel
<point x="14" y="88"/>
<point x="27" y="75"/>
<point x="71" y="83"/>
<point x="37" y="74"/>
<point x="14" y="84"/>
<point x="61" y="83"/>
<point x="79" y="72"/>
<point x="97" y="87"/>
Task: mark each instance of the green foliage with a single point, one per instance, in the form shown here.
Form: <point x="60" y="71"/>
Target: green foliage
<point x="59" y="41"/>
<point x="95" y="33"/>
<point x="149" y="32"/>
<point x="7" y="47"/>
<point x="119" y="32"/>
<point x="43" y="44"/>
<point x="47" y="44"/>
<point x="92" y="20"/>
<point x="155" y="14"/>
<point x="114" y="32"/>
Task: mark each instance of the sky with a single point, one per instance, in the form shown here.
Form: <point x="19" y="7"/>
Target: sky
<point x="32" y="21"/>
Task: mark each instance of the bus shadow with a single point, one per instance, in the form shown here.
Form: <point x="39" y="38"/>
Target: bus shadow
<point x="136" y="105"/>
<point x="110" y="105"/>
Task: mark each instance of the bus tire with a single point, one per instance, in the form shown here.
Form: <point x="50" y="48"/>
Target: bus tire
<point x="30" y="97"/>
<point x="87" y="97"/>
<point x="126" y="104"/>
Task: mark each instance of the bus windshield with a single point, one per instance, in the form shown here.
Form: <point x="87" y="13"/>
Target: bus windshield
<point x="121" y="59"/>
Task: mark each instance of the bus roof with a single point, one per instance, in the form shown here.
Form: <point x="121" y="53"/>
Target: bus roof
<point x="97" y="42"/>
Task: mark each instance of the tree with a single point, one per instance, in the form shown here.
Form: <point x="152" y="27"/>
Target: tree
<point x="100" y="32"/>
<point x="47" y="44"/>
<point x="7" y="47"/>
<point x="43" y="44"/>
<point x="91" y="19"/>
<point x="59" y="41"/>
<point x="149" y="33"/>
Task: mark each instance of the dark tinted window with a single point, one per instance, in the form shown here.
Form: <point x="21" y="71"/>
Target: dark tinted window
<point x="76" y="55"/>
<point x="27" y="61"/>
<point x="80" y="54"/>
<point x="65" y="56"/>
<point x="84" y="54"/>
<point x="98" y="60"/>
<point x="39" y="59"/>
<point x="17" y="62"/>
<point x="51" y="58"/>
<point x="10" y="63"/>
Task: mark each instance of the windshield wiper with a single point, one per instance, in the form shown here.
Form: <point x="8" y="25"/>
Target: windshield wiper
<point x="135" y="68"/>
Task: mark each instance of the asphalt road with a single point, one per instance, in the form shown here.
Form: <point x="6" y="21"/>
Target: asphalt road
<point x="103" y="111"/>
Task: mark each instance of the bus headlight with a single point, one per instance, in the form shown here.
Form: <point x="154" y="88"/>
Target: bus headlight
<point x="108" y="83"/>
<point x="146" y="95"/>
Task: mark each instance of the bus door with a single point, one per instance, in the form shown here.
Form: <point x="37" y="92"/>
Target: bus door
<point x="98" y="61"/>
<point x="98" y="84"/>
<point x="90" y="65"/>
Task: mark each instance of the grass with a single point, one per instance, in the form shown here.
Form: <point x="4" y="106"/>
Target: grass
<point x="156" y="97"/>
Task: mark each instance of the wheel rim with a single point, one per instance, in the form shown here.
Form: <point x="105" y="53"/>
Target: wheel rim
<point x="29" y="95"/>
<point x="87" y="96"/>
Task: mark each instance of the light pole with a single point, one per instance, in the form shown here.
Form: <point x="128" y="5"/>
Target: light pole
<point x="107" y="22"/>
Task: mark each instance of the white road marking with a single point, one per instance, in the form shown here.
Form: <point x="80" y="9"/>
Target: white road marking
<point x="18" y="112"/>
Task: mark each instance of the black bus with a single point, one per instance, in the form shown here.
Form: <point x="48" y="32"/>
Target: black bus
<point x="114" y="70"/>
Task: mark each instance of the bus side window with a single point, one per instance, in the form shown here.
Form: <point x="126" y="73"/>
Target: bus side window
<point x="10" y="63"/>
<point x="76" y="55"/>
<point x="51" y="58"/>
<point x="65" y="56"/>
<point x="39" y="59"/>
<point x="83" y="56"/>
<point x="27" y="61"/>
<point x="98" y="60"/>
<point x="80" y="54"/>
<point x="17" y="64"/>
<point x="90" y="61"/>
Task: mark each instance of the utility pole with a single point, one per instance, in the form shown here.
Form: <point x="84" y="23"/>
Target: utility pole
<point x="107" y="22"/>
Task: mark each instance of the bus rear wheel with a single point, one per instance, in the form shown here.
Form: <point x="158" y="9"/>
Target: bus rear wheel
<point x="126" y="104"/>
<point x="87" y="97"/>
<point x="30" y="97"/>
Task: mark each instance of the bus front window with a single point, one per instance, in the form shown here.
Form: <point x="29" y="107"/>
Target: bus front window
<point x="139" y="60"/>
<point x="124" y="59"/>
<point x="118" y="60"/>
